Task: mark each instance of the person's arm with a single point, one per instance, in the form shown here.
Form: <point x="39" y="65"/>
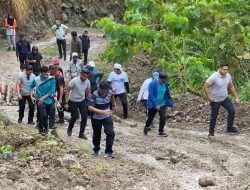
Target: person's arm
<point x="18" y="83"/>
<point x="206" y="90"/>
<point x="113" y="103"/>
<point x="31" y="87"/>
<point x="61" y="93"/>
<point x="68" y="89"/>
<point x="80" y="47"/>
<point x="28" y="46"/>
<point x="234" y="92"/>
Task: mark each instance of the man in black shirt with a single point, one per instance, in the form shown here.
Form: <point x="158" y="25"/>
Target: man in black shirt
<point x="22" y="49"/>
<point x="35" y="59"/>
<point x="85" y="45"/>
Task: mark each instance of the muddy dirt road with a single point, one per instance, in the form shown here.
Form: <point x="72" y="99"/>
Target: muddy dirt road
<point x="148" y="162"/>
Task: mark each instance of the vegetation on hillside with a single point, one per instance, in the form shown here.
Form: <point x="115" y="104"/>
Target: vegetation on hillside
<point x="189" y="38"/>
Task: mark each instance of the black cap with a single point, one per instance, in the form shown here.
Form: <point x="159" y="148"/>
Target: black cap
<point x="85" y="71"/>
<point x="163" y="76"/>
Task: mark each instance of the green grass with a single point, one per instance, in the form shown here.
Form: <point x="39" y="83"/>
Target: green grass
<point x="50" y="52"/>
<point x="99" y="168"/>
<point x="84" y="149"/>
<point x="6" y="149"/>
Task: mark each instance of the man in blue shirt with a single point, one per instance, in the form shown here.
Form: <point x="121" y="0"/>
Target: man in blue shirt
<point x="100" y="105"/>
<point x="45" y="86"/>
<point x="159" y="99"/>
<point x="60" y="31"/>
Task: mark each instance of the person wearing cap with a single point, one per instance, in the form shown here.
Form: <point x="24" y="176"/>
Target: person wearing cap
<point x="35" y="59"/>
<point x="95" y="76"/>
<point x="45" y="86"/>
<point x="60" y="31"/>
<point x="119" y="81"/>
<point x="76" y="45"/>
<point x="75" y="99"/>
<point x="159" y="99"/>
<point x="74" y="67"/>
<point x="143" y="94"/>
<point x="22" y="88"/>
<point x="22" y="49"/>
<point x="100" y="105"/>
<point x="85" y="45"/>
<point x="216" y="90"/>
<point x="54" y="72"/>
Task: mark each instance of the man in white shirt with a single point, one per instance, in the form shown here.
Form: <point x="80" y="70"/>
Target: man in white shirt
<point x="119" y="81"/>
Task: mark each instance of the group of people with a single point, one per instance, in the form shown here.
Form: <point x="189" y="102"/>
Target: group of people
<point x="80" y="89"/>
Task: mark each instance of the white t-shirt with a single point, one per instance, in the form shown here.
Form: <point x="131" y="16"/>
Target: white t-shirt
<point x="117" y="81"/>
<point x="143" y="94"/>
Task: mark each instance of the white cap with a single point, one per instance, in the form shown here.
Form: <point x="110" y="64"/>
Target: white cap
<point x="117" y="66"/>
<point x="91" y="64"/>
<point x="74" y="54"/>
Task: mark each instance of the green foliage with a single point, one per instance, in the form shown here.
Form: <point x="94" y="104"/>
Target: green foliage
<point x="6" y="149"/>
<point x="24" y="154"/>
<point x="84" y="149"/>
<point x="189" y="38"/>
<point x="74" y="170"/>
<point x="100" y="168"/>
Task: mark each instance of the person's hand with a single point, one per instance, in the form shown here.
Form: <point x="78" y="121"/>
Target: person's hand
<point x="41" y="100"/>
<point x="33" y="100"/>
<point x="17" y="58"/>
<point x="129" y="95"/>
<point x="113" y="90"/>
<point x="158" y="108"/>
<point x="107" y="112"/>
<point x="60" y="101"/>
<point x="19" y="97"/>
<point x="66" y="106"/>
<point x="210" y="99"/>
<point x="114" y="108"/>
<point x="237" y="100"/>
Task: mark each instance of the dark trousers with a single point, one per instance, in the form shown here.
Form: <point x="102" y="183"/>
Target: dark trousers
<point x="43" y="111"/>
<point x="74" y="106"/>
<point x="85" y="54"/>
<point x="22" y="59"/>
<point x="97" y="124"/>
<point x="151" y="115"/>
<point x="124" y="101"/>
<point x="215" y="107"/>
<point x="61" y="44"/>
<point x="52" y="115"/>
<point x="22" y="103"/>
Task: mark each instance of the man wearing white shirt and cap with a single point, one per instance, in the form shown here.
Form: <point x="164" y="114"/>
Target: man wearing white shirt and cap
<point x="120" y="86"/>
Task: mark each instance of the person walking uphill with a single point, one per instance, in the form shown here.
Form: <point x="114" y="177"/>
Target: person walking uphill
<point x="119" y="80"/>
<point x="218" y="84"/>
<point x="60" y="31"/>
<point x="159" y="99"/>
<point x="85" y="45"/>
<point x="45" y="87"/>
<point x="35" y="59"/>
<point x="22" y="50"/>
<point x="10" y="25"/>
<point x="76" y="45"/>
<point x="75" y="99"/>
<point x="100" y="105"/>
<point x="22" y="88"/>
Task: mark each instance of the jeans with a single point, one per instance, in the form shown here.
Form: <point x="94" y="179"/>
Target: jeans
<point x="11" y="39"/>
<point x="85" y="54"/>
<point x="151" y="115"/>
<point x="22" y="103"/>
<point x="43" y="111"/>
<point x="61" y="44"/>
<point x="97" y="124"/>
<point x="74" y="106"/>
<point x="124" y="101"/>
<point x="215" y="107"/>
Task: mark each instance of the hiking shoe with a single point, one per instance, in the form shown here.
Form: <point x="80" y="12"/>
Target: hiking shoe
<point x="19" y="121"/>
<point x="109" y="155"/>
<point x="9" y="48"/>
<point x="95" y="153"/>
<point x="146" y="129"/>
<point x="83" y="137"/>
<point x="232" y="130"/>
<point x="69" y="132"/>
<point x="14" y="49"/>
<point x="162" y="134"/>
<point x="125" y="117"/>
<point x="31" y="122"/>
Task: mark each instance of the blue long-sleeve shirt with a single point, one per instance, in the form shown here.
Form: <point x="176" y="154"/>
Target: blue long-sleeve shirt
<point x="43" y="87"/>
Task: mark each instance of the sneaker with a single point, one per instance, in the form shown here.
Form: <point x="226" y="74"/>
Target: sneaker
<point x="19" y="121"/>
<point x="31" y="122"/>
<point x="146" y="129"/>
<point x="125" y="117"/>
<point x="109" y="155"/>
<point x="95" y="153"/>
<point x="83" y="137"/>
<point x="162" y="134"/>
<point x="69" y="132"/>
<point x="232" y="130"/>
<point x="211" y="134"/>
